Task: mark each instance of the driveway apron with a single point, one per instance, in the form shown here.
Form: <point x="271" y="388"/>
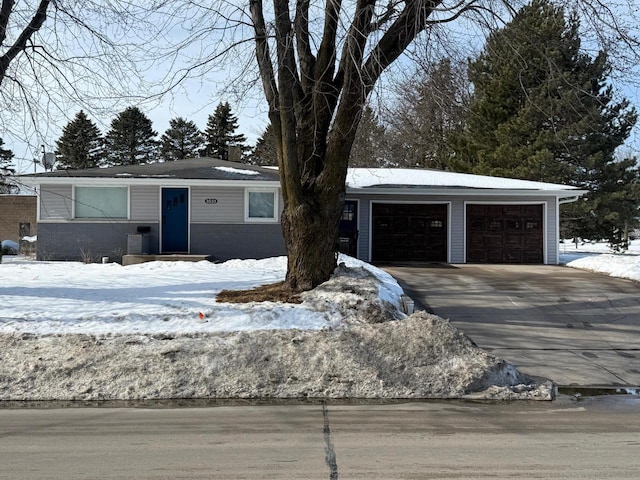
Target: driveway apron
<point x="574" y="327"/>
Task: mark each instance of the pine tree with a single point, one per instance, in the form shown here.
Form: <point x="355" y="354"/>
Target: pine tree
<point x="264" y="151"/>
<point x="613" y="204"/>
<point x="6" y="170"/>
<point x="369" y="145"/>
<point x="131" y="139"/>
<point x="219" y="134"/>
<point x="542" y="109"/>
<point x="81" y="144"/>
<point x="181" y="140"/>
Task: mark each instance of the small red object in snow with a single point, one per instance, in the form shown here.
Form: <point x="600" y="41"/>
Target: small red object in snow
<point x="201" y="315"/>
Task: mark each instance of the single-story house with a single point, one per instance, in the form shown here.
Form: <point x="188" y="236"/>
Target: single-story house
<point x="227" y="210"/>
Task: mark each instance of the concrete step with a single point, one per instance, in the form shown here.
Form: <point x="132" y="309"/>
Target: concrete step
<point x="135" y="259"/>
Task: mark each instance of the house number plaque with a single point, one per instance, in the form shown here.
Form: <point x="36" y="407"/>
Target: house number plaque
<point x="210" y="201"/>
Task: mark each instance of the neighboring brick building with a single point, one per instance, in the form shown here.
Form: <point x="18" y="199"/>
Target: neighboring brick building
<point x="17" y="216"/>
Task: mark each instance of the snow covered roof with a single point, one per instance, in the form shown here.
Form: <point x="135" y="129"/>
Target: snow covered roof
<point x="207" y="171"/>
<point x="359" y="178"/>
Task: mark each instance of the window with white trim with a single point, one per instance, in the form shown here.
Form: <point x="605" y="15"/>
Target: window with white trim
<point x="261" y="205"/>
<point x="101" y="202"/>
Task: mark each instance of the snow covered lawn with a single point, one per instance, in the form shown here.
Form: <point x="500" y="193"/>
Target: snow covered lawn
<point x="70" y="331"/>
<point x="598" y="257"/>
<point x="155" y="297"/>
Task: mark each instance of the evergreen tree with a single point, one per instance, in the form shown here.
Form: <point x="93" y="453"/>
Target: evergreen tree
<point x="613" y="202"/>
<point x="368" y="148"/>
<point x="81" y="144"/>
<point x="220" y="133"/>
<point x="181" y="140"/>
<point x="542" y="110"/>
<point x="6" y="170"/>
<point x="264" y="151"/>
<point x="131" y="139"/>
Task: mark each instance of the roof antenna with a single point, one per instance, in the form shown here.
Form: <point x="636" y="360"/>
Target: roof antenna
<point x="35" y="160"/>
<point x="48" y="159"/>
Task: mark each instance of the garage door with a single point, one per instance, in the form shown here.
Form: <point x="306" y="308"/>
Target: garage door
<point x="409" y="232"/>
<point x="504" y="234"/>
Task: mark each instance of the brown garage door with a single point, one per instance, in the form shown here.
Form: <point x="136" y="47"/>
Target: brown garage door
<point x="409" y="232"/>
<point x="504" y="234"/>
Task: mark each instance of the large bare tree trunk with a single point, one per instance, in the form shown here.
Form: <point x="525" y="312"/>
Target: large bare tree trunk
<point x="310" y="231"/>
<point x="310" y="220"/>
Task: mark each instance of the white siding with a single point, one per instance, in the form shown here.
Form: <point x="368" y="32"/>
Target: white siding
<point x="456" y="231"/>
<point x="364" y="226"/>
<point x="552" y="240"/>
<point x="145" y="203"/>
<point x="227" y="208"/>
<point x="55" y="202"/>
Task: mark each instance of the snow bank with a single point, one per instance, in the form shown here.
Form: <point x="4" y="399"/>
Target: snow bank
<point x="422" y="356"/>
<point x="598" y="257"/>
<point x="623" y="266"/>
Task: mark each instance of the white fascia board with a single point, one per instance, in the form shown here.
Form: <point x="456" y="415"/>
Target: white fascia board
<point x="29" y="181"/>
<point x="465" y="191"/>
<point x="151" y="181"/>
<point x="182" y="182"/>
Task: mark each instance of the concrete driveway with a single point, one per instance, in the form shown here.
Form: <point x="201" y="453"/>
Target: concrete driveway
<point x="574" y="327"/>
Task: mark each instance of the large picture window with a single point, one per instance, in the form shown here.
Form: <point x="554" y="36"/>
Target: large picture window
<point x="261" y="206"/>
<point x="101" y="202"/>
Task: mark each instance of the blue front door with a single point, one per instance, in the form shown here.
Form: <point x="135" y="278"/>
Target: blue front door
<point x="175" y="221"/>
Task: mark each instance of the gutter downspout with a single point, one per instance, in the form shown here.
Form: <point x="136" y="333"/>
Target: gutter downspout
<point x="562" y="202"/>
<point x="568" y="200"/>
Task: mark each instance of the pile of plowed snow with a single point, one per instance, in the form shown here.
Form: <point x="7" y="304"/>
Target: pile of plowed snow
<point x="373" y="352"/>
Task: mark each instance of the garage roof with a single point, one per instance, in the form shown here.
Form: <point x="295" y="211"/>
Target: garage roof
<point x="405" y="177"/>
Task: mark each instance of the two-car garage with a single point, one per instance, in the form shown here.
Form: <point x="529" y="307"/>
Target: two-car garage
<point x="419" y="215"/>
<point x="493" y="233"/>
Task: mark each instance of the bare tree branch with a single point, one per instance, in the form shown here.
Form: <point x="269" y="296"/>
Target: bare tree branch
<point x="5" y="12"/>
<point x="397" y="38"/>
<point x="306" y="58"/>
<point x="20" y="44"/>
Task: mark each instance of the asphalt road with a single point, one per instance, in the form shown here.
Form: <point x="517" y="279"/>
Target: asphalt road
<point x="591" y="439"/>
<point x="574" y="327"/>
